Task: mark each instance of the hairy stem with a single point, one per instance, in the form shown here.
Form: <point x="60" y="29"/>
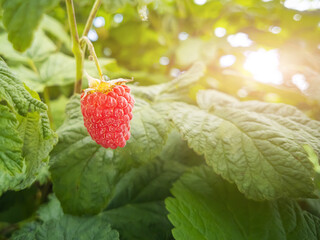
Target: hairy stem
<point x="92" y="54"/>
<point x="76" y="49"/>
<point x="92" y="15"/>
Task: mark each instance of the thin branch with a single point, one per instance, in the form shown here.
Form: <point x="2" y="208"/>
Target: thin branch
<point x="76" y="49"/>
<point x="92" y="54"/>
<point x="92" y="15"/>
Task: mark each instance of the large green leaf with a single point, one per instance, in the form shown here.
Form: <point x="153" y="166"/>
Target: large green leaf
<point x="26" y="139"/>
<point x="11" y="160"/>
<point x="137" y="209"/>
<point x="54" y="27"/>
<point x="41" y="48"/>
<point x="84" y="173"/>
<point x="207" y="207"/>
<point x="68" y="227"/>
<point x="57" y="70"/>
<point x="259" y="146"/>
<point x="13" y="91"/>
<point x="21" y="18"/>
<point x="148" y="133"/>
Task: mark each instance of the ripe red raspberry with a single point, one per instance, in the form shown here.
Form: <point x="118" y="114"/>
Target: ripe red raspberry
<point x="107" y="114"/>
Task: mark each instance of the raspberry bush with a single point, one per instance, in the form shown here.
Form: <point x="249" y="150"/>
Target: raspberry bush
<point x="167" y="139"/>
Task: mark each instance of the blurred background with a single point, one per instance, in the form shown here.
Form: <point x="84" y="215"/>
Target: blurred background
<point x="267" y="50"/>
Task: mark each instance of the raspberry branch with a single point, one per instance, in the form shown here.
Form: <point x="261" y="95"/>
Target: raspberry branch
<point x="92" y="54"/>
<point x="77" y="50"/>
<point x="91" y="17"/>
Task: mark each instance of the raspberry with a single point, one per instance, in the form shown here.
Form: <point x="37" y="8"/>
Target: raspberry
<point x="107" y="115"/>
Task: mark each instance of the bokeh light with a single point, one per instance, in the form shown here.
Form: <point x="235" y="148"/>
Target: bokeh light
<point x="300" y="81"/>
<point x="118" y="18"/>
<point x="239" y="40"/>
<point x="297" y="17"/>
<point x="302" y="5"/>
<point x="200" y="2"/>
<point x="92" y="35"/>
<point x="220" y="32"/>
<point x="264" y="66"/>
<point x="183" y="36"/>
<point x="227" y="60"/>
<point x="99" y="22"/>
<point x="275" y="29"/>
<point x="164" y="61"/>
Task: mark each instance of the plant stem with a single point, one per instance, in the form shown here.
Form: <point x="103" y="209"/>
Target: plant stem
<point x="92" y="15"/>
<point x="76" y="49"/>
<point x="93" y="54"/>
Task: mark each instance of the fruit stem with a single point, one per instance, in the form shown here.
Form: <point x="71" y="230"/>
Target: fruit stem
<point x="92" y="15"/>
<point x="92" y="54"/>
<point x="76" y="49"/>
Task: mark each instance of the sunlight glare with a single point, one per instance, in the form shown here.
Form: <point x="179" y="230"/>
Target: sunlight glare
<point x="227" y="60"/>
<point x="183" y="36"/>
<point x="239" y="40"/>
<point x="263" y="65"/>
<point x="220" y="32"/>
<point x="302" y="5"/>
<point x="300" y="81"/>
<point x="200" y="2"/>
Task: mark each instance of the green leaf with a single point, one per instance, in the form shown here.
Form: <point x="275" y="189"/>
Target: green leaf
<point x="206" y="207"/>
<point x="68" y="227"/>
<point x="11" y="160"/>
<point x="137" y="210"/>
<point x="259" y="146"/>
<point x="57" y="70"/>
<point x="55" y="28"/>
<point x="148" y="183"/>
<point x="40" y="49"/>
<point x="26" y="139"/>
<point x="17" y="206"/>
<point x="149" y="132"/>
<point x="50" y="211"/>
<point x="207" y="99"/>
<point x="84" y="173"/>
<point x="13" y="91"/>
<point x="21" y="18"/>
<point x="173" y="90"/>
<point x="140" y="221"/>
<point x="176" y="149"/>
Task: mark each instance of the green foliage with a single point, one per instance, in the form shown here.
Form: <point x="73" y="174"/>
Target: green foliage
<point x="25" y="132"/>
<point x="21" y="18"/>
<point x="52" y="226"/>
<point x="207" y="207"/>
<point x="242" y="140"/>
<point x="13" y="91"/>
<point x="137" y="209"/>
<point x="200" y="163"/>
<point x="95" y="169"/>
